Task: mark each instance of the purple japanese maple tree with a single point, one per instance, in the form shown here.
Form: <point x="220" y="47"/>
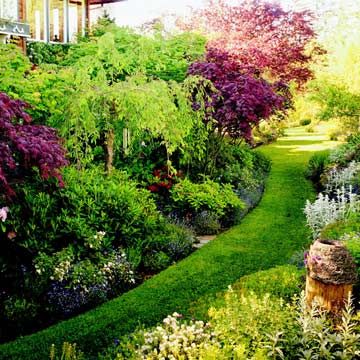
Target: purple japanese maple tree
<point x="260" y="36"/>
<point x="24" y="146"/>
<point x="242" y="99"/>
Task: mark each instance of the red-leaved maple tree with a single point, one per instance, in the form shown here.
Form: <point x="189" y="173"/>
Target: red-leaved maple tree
<point x="259" y="36"/>
<point x="241" y="100"/>
<point x="24" y="146"/>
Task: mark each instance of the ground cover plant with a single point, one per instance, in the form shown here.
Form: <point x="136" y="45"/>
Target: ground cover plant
<point x="249" y="326"/>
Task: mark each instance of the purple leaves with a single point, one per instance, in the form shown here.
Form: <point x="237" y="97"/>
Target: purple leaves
<point x="243" y="100"/>
<point x="24" y="146"/>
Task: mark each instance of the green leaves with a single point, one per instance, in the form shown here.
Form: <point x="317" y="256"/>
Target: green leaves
<point x="207" y="196"/>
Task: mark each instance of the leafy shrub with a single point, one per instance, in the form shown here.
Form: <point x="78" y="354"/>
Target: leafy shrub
<point x="352" y="242"/>
<point x="156" y="261"/>
<point x="242" y="167"/>
<point x="40" y="53"/>
<point x="305" y="122"/>
<point x="317" y="166"/>
<point x="174" y="240"/>
<point x="282" y="281"/>
<point x="13" y="66"/>
<point x="189" y="199"/>
<point x="339" y="229"/>
<point x="350" y="151"/>
<point x="269" y="131"/>
<point x="178" y="241"/>
<point x="68" y="248"/>
<point x="206" y="223"/>
<point x="89" y="204"/>
<point x="20" y="310"/>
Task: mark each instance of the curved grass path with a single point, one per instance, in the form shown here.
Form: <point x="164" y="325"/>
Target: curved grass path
<point x="268" y="236"/>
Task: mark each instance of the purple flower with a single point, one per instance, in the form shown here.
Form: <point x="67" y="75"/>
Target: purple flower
<point x="306" y="255"/>
<point x="315" y="259"/>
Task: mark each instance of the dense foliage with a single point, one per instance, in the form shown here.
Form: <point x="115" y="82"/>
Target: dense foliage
<point x="79" y="246"/>
<point x="249" y="326"/>
<point x="335" y="214"/>
<point x="260" y="37"/>
<point x="24" y="146"/>
<point x="152" y="127"/>
<point x="240" y="101"/>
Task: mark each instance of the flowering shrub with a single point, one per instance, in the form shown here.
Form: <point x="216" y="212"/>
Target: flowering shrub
<point x="83" y="244"/>
<point x="251" y="327"/>
<point x="176" y="339"/>
<point x="164" y="180"/>
<point x="325" y="210"/>
<point x="76" y="284"/>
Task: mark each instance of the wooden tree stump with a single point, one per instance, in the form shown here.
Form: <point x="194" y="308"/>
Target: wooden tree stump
<point x="331" y="273"/>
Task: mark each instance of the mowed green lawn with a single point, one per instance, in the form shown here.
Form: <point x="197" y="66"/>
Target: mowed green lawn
<point x="268" y="236"/>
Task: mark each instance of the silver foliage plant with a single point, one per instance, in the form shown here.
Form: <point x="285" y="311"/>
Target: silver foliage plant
<point x="316" y="336"/>
<point x="337" y="178"/>
<point x="325" y="210"/>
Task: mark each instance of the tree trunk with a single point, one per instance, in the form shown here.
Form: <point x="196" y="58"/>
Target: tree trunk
<point x="109" y="147"/>
<point x="331" y="273"/>
<point x="328" y="296"/>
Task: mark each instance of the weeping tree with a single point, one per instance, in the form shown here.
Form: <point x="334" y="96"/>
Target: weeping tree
<point x="104" y="106"/>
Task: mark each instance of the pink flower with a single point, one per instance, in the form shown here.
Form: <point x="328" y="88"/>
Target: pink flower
<point x="3" y="213"/>
<point x="11" y="235"/>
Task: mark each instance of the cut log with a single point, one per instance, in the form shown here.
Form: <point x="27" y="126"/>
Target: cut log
<point x="328" y="296"/>
<point x="331" y="273"/>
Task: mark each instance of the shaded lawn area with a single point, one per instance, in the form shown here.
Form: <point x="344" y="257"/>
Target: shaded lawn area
<point x="268" y="236"/>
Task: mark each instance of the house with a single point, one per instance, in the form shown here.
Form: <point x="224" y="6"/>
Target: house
<point x="13" y="27"/>
<point x="45" y="20"/>
<point x="59" y="20"/>
<point x="56" y="20"/>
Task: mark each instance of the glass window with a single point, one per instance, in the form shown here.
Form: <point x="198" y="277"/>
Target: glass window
<point x="9" y="9"/>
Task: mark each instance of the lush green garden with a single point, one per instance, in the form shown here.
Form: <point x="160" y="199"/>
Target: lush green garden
<point x="119" y="151"/>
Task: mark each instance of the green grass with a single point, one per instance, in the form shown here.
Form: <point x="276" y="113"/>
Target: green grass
<point x="267" y="237"/>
